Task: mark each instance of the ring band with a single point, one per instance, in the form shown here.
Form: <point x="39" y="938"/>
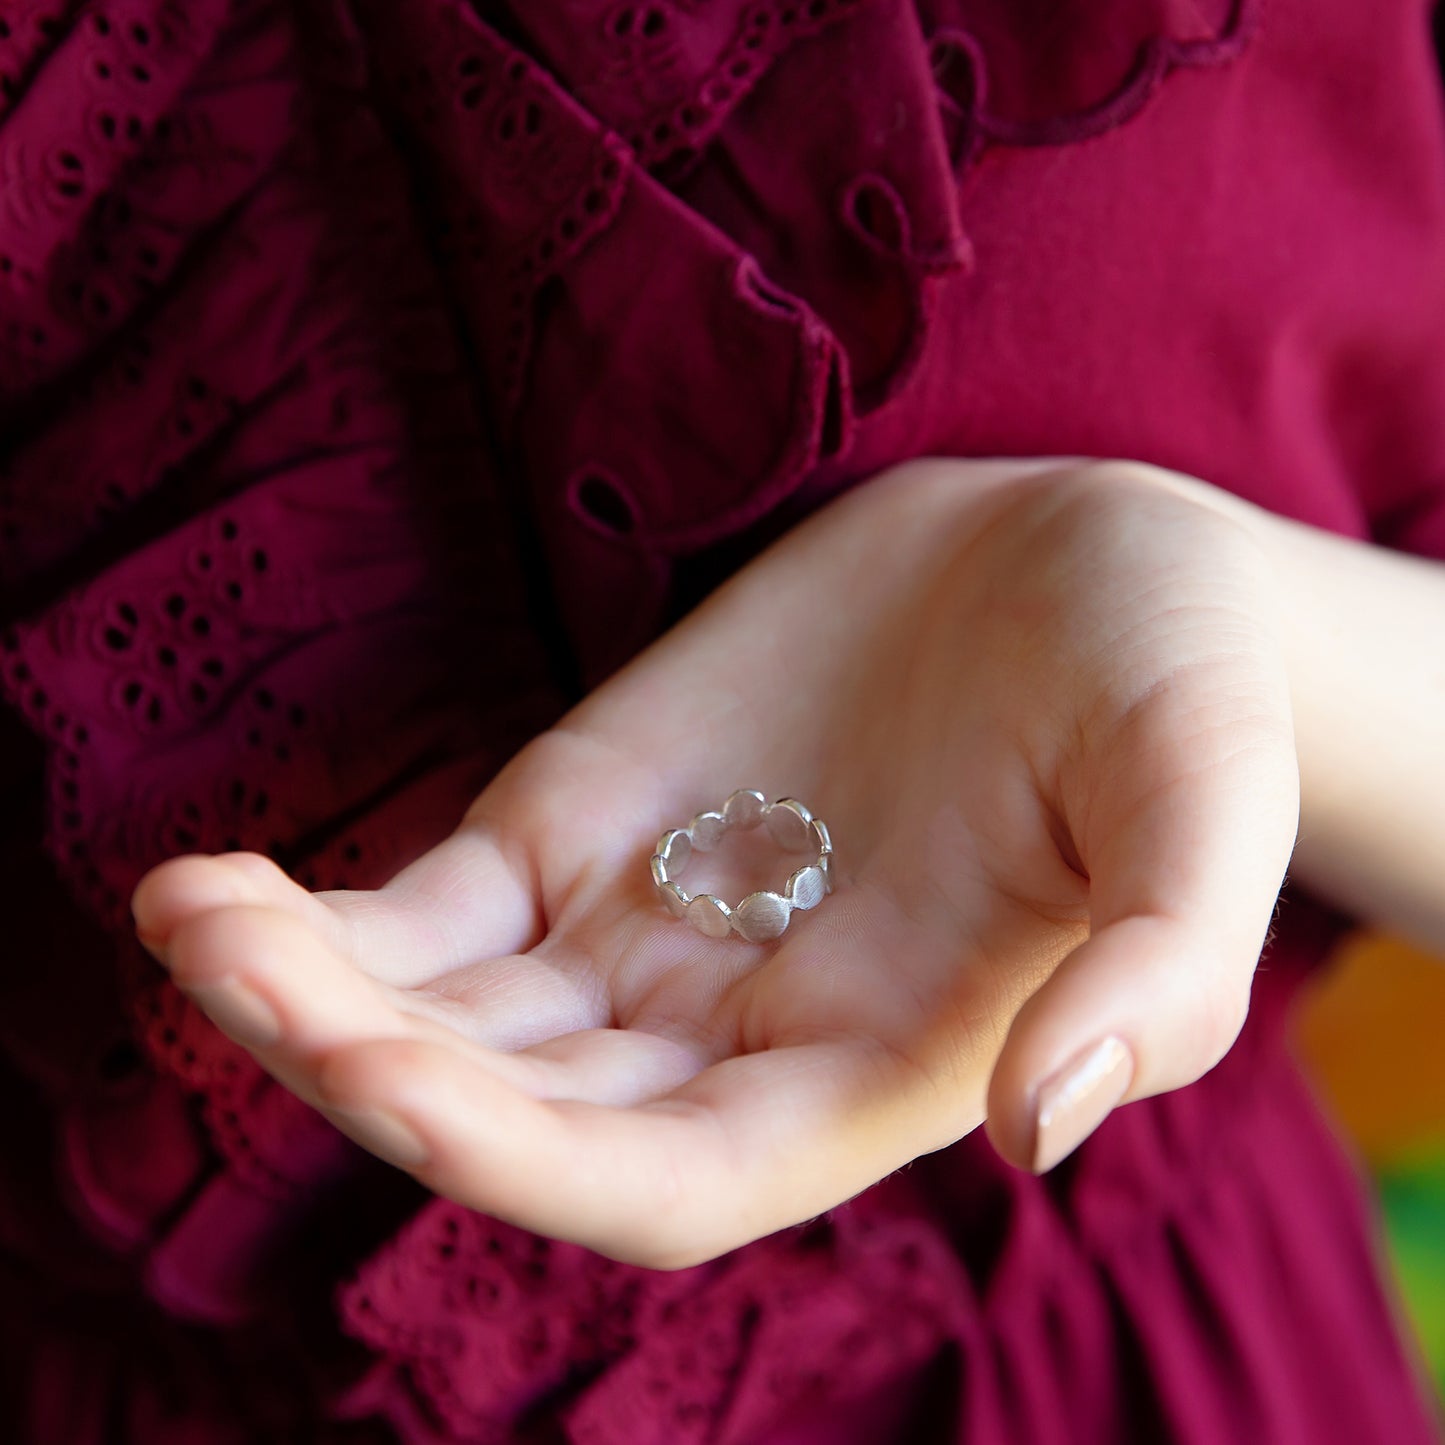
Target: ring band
<point x="763" y="915"/>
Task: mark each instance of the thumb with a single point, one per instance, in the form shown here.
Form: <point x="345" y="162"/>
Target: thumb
<point x="1191" y="824"/>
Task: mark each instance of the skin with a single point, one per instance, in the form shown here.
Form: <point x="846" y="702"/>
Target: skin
<point x="1056" y="715"/>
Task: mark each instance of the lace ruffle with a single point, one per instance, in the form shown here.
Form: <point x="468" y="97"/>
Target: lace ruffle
<point x="262" y="490"/>
<point x="1059" y="74"/>
<point x="632" y="150"/>
<point x="495" y="1324"/>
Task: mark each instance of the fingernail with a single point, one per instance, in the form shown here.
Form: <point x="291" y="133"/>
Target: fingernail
<point x="1073" y="1102"/>
<point x="238" y="1011"/>
<point x="385" y="1136"/>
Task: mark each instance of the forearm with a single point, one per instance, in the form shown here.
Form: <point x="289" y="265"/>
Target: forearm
<point x="1366" y="636"/>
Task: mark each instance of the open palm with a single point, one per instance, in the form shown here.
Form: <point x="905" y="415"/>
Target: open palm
<point x="1042" y="710"/>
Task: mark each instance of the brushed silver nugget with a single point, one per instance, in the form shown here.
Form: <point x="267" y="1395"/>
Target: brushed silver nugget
<point x="763" y="915"/>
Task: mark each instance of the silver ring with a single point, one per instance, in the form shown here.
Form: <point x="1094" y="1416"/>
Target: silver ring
<point x="763" y="915"/>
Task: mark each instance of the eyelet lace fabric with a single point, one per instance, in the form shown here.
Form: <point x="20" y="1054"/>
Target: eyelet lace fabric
<point x="294" y="299"/>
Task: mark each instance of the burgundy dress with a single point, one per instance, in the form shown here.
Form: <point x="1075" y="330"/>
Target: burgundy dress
<point x="375" y="375"/>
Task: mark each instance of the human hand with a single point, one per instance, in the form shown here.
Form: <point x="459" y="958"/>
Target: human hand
<point x="1042" y="707"/>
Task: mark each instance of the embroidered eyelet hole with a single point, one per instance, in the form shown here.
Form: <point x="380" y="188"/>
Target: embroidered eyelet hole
<point x="70" y="182"/>
<point x="600" y="501"/>
<point x="874" y="212"/>
<point x="619" y="23"/>
<point x="654" y="22"/>
<point x="676" y="165"/>
<point x="955" y="68"/>
<point x="472" y="97"/>
<point x="133" y="697"/>
<point x="518" y="119"/>
<point x="99" y="23"/>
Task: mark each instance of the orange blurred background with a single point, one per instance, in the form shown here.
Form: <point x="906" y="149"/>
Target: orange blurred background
<point x="1372" y="1032"/>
